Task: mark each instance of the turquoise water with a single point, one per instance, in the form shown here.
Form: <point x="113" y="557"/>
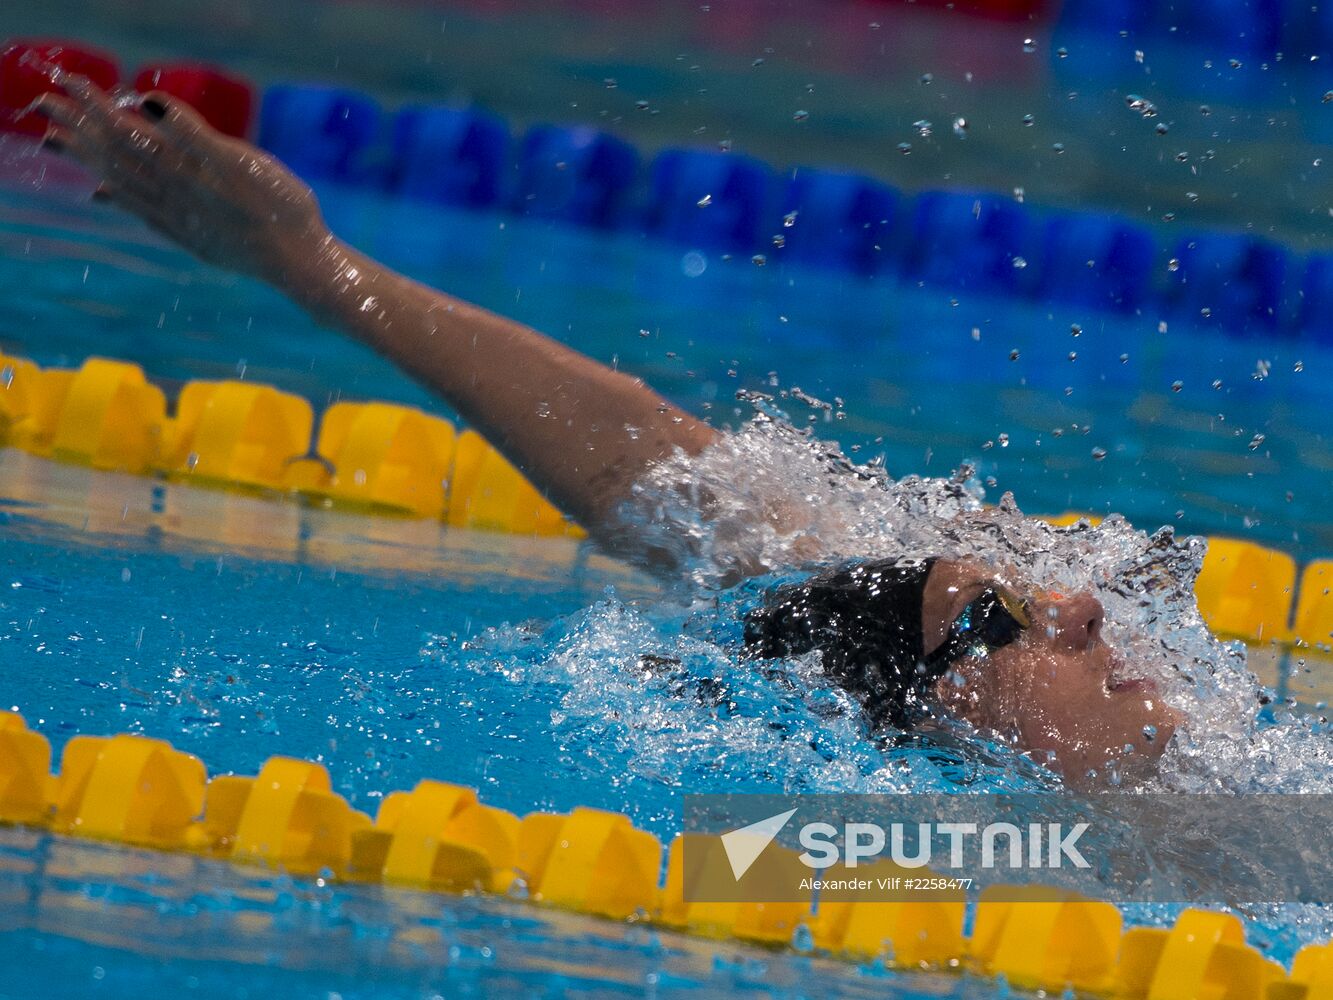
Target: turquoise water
<point x="116" y="615"/>
<point x="91" y="921"/>
<point x="394" y="650"/>
<point x="925" y="376"/>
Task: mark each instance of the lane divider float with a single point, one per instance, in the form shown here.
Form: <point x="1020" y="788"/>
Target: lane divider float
<point x="386" y="458"/>
<point x="376" y="457"/>
<point x="727" y="203"/>
<point x="440" y="837"/>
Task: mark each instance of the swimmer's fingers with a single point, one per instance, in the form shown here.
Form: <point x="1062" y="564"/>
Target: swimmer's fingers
<point x="59" y="111"/>
<point x="62" y="132"/>
<point x="179" y="123"/>
<point x="86" y="107"/>
<point x="57" y="138"/>
<point x="112" y="141"/>
<point x="188" y="135"/>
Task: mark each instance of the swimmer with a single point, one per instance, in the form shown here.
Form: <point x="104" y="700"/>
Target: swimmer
<point x="909" y="637"/>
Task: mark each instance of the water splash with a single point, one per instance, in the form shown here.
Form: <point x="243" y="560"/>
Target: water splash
<point x="821" y="508"/>
<point x="658" y="695"/>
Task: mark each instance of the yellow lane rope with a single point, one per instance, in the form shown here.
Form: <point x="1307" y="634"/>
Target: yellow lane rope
<point x="440" y="837"/>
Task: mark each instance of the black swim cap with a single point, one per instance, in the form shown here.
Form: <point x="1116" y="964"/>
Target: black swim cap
<point x="865" y="619"/>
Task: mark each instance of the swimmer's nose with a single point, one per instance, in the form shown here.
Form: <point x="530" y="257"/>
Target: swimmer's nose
<point x="1074" y="623"/>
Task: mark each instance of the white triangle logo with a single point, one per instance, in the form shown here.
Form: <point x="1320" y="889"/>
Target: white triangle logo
<point x="744" y="846"/>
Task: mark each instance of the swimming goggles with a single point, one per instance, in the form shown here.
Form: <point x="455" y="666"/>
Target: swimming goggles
<point x="993" y="619"/>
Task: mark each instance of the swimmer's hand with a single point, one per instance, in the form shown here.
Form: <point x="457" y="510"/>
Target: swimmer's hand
<point x="584" y="433"/>
<point x="222" y="199"/>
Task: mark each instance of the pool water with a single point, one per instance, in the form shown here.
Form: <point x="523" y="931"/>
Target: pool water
<point x="925" y="376"/>
<point x="241" y="627"/>
<point x="118" y="617"/>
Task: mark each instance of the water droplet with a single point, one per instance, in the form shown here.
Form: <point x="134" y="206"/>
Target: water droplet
<point x="1019" y="195"/>
<point x="1177" y="385"/>
<point x="926" y="79"/>
<point x="1004" y="440"/>
<point x="779" y="240"/>
<point x="1020" y="263"/>
<point x="800" y="116"/>
<point x="192" y="460"/>
<point x="1124" y="359"/>
<point x="1057" y="148"/>
<point x="640" y="105"/>
<point x="789" y="220"/>
<point x="758" y="260"/>
<point x="1191" y="195"/>
<point x="1256" y="441"/>
<point x="802" y="940"/>
<point x="1062" y="53"/>
<point x="758" y="62"/>
<point x="705" y="201"/>
<point x="1299" y="366"/>
<point x="1217" y="383"/>
<point x="960" y="127"/>
<point x="904" y="148"/>
<point x="1075" y="330"/>
<point x="610" y="83"/>
<point x="692" y="265"/>
<point x="924" y="128"/>
<point x="1150" y="733"/>
<point x="1234" y="63"/>
<point x="1205" y="110"/>
<point x="1029" y="120"/>
<point x="1029" y="46"/>
<point x="1328" y="96"/>
<point x="1142" y="105"/>
<point x="1173" y="264"/>
<point x="1138" y="55"/>
<point x="1160" y="128"/>
<point x="1073" y="355"/>
<point x="1013" y="355"/>
<point x="1098" y="454"/>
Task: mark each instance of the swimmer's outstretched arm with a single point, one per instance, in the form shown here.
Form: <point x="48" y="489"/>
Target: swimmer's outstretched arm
<point x="580" y="431"/>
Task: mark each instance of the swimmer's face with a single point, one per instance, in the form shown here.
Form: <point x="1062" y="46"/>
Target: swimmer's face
<point x="1057" y="689"/>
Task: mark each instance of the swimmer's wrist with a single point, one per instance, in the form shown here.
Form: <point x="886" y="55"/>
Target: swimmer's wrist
<point x="308" y="269"/>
